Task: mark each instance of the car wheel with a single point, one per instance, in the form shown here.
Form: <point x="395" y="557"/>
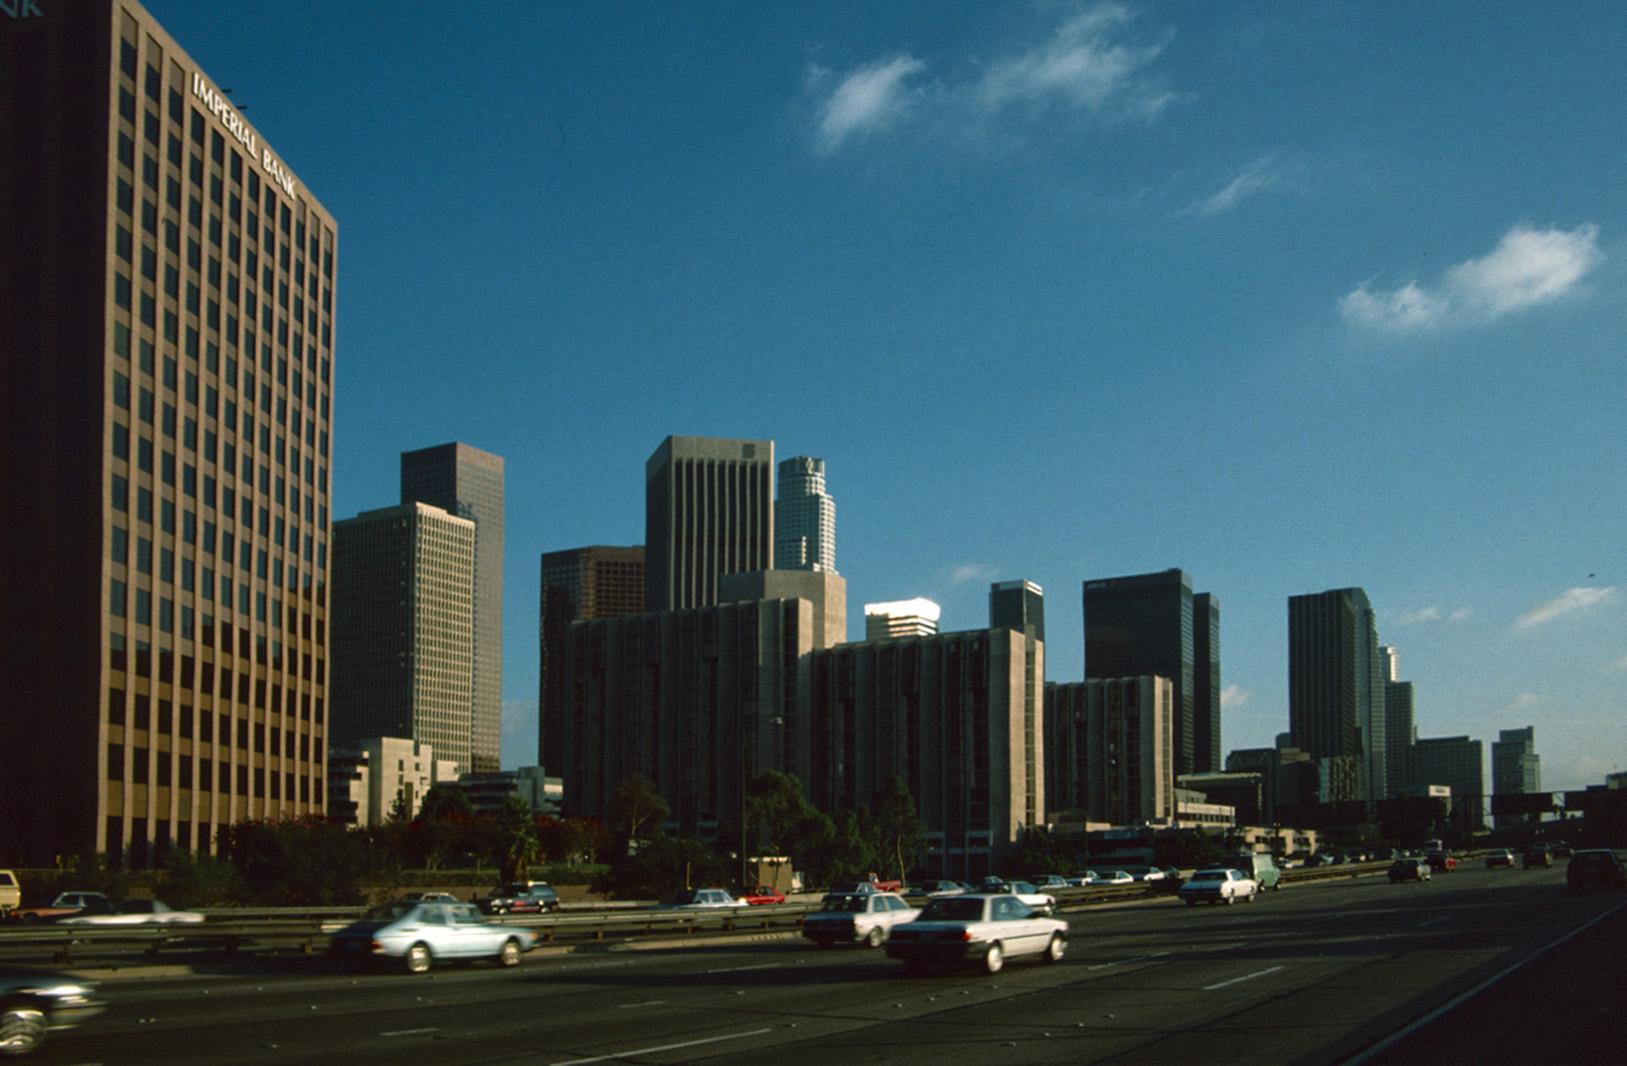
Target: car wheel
<point x="994" y="960"/>
<point x="1056" y="948"/>
<point x="873" y="938"/>
<point x="1230" y="899"/>
<point x="418" y="958"/>
<point x="22" y="1029"/>
<point x="510" y="955"/>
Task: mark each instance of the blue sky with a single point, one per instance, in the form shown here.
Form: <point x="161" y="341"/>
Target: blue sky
<point x="1291" y="296"/>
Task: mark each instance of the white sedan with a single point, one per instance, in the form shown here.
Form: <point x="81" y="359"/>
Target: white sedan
<point x="421" y="933"/>
<point x="981" y="930"/>
<point x="864" y="918"/>
<point x="1218" y="885"/>
<point x="133" y="912"/>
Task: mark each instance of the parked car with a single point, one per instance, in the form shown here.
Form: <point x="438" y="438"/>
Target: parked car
<point x="1537" y="855"/>
<point x="1112" y="877"/>
<point x="696" y="898"/>
<point x="132" y="912"/>
<point x="1499" y="857"/>
<point x="1048" y="882"/>
<point x="1043" y="902"/>
<point x="848" y="888"/>
<point x="520" y="897"/>
<point x="1144" y="873"/>
<point x="36" y="1002"/>
<point x="1218" y="884"/>
<point x="922" y="891"/>
<point x="866" y="918"/>
<point x="1257" y="866"/>
<point x="1595" y="868"/>
<point x="1441" y="861"/>
<point x="1410" y="870"/>
<point x="981" y="930"/>
<point x="421" y="932"/>
<point x="430" y="897"/>
<point x="11" y="893"/>
<point x="46" y="908"/>
<point x="760" y="894"/>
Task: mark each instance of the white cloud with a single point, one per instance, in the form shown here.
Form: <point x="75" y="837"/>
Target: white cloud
<point x="519" y="716"/>
<point x="1234" y="696"/>
<point x="1259" y="176"/>
<point x="1520" y="703"/>
<point x="1571" y="600"/>
<point x="1528" y="268"/>
<point x="960" y="575"/>
<point x="1434" y="614"/>
<point x="869" y="99"/>
<point x="1619" y="664"/>
<point x="1078" y="65"/>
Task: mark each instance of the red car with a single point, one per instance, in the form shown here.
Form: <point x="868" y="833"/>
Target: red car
<point x="763" y="894"/>
<point x="1441" y="862"/>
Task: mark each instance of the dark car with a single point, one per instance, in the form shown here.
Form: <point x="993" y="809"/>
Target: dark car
<point x="1537" y="855"/>
<point x="1410" y="870"/>
<point x="1595" y="868"/>
<point x="34" y="1002"/>
<point x="520" y="897"/>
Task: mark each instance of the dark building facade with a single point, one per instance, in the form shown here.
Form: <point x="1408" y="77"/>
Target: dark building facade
<point x="578" y="585"/>
<point x="1336" y="687"/>
<point x="468" y="482"/>
<point x="1149" y="624"/>
<point x="166" y="320"/>
<point x="1018" y="605"/>
<point x="709" y="511"/>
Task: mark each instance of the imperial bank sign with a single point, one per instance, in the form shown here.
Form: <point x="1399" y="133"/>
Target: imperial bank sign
<point x="233" y="123"/>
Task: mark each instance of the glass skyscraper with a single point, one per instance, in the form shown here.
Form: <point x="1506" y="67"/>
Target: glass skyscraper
<point x="1336" y="685"/>
<point x="709" y="511"/>
<point x="804" y="518"/>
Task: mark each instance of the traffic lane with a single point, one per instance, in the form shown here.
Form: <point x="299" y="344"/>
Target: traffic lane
<point x="1312" y="995"/>
<point x="1567" y="1005"/>
<point x="683" y="1002"/>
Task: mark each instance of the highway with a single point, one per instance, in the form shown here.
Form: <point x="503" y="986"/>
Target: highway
<point x="1347" y="971"/>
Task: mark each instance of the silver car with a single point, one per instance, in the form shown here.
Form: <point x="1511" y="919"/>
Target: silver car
<point x="976" y="930"/>
<point x="863" y="918"/>
<point x="420" y="932"/>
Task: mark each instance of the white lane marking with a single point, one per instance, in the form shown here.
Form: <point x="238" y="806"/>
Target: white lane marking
<point x="412" y="1032"/>
<point x="743" y="969"/>
<point x="1451" y="1005"/>
<point x="1245" y="977"/>
<point x="1435" y="921"/>
<point x="1126" y="962"/>
<point x="664" y="1047"/>
<point x="647" y="1003"/>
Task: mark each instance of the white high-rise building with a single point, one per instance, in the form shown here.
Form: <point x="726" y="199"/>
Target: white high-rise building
<point x="804" y="518"/>
<point x="904" y="618"/>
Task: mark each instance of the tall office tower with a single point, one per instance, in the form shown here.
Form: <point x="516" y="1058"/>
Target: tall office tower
<point x="957" y="716"/>
<point x="804" y="518"/>
<point x="1108" y="751"/>
<point x="166" y="357"/>
<point x="468" y="482"/>
<point x="1147" y="624"/>
<point x="1460" y="764"/>
<point x="1336" y="687"/>
<point x="403" y="629"/>
<point x="903" y="618"/>
<point x="1206" y="687"/>
<point x="1516" y="768"/>
<point x="709" y="511"/>
<point x="1400" y="731"/>
<point x="1018" y="605"/>
<point x="578" y="585"/>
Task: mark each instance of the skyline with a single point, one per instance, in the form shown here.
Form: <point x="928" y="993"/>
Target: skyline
<point x="1291" y="299"/>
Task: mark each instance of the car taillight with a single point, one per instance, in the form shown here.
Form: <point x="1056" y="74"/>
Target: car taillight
<point x="374" y="945"/>
<point x="966" y="934"/>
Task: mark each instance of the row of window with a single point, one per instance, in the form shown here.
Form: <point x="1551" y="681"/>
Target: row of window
<point x="233" y="778"/>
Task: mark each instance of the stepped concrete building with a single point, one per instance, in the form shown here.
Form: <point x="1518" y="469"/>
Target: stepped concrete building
<point x="709" y="511"/>
<point x="804" y="518"/>
<point x="166" y="318"/>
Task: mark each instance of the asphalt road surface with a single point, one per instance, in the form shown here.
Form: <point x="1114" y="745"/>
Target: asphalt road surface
<point x="1476" y="966"/>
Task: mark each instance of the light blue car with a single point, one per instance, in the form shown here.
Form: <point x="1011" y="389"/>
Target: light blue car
<point x="422" y="932"/>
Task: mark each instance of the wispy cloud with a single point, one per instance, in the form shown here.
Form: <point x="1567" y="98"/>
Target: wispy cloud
<point x="967" y="572"/>
<point x="1233" y="697"/>
<point x="1260" y="176"/>
<point x="519" y="717"/>
<point x="1528" y="268"/>
<point x="1619" y="664"/>
<point x="1434" y="614"/>
<point x="1571" y="600"/>
<point x="1078" y="65"/>
<point x="1519" y="703"/>
<point x="865" y="101"/>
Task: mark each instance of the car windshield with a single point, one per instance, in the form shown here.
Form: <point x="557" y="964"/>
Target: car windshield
<point x="391" y="912"/>
<point x="845" y="904"/>
<point x="953" y="910"/>
<point x="1209" y="875"/>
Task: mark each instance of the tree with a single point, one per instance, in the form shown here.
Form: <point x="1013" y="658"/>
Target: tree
<point x="662" y="864"/>
<point x="636" y="808"/>
<point x="894" y="831"/>
<point x="844" y="856"/>
<point x="775" y="803"/>
<point x="443" y="801"/>
<point x="518" y="840"/>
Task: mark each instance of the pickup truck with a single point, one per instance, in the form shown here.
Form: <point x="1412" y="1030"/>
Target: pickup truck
<point x="48" y="907"/>
<point x="520" y="897"/>
<point x="11" y="893"/>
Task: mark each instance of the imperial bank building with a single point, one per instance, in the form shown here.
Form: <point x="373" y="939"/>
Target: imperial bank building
<point x="166" y="366"/>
